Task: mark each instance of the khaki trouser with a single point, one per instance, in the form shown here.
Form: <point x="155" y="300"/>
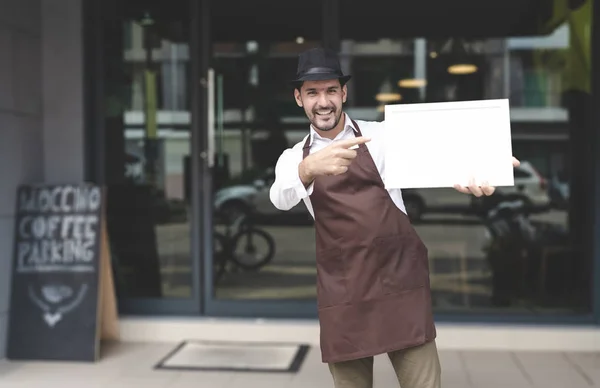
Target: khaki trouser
<point x="417" y="367"/>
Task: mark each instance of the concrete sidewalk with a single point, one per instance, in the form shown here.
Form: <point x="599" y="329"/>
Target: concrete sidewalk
<point x="131" y="365"/>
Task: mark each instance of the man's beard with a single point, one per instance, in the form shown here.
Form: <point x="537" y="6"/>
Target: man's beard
<point x="337" y="116"/>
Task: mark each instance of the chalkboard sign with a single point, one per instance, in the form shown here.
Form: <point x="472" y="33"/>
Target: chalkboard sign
<point x="57" y="273"/>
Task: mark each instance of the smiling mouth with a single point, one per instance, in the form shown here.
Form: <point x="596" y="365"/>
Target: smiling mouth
<point x="325" y="113"/>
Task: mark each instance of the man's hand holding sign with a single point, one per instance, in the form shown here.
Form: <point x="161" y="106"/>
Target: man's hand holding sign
<point x="485" y="189"/>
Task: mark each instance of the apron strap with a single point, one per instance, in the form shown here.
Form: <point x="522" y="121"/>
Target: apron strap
<point x="306" y="148"/>
<point x="357" y="128"/>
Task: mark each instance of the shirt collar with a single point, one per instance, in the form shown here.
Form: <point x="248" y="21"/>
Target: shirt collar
<point x="348" y="127"/>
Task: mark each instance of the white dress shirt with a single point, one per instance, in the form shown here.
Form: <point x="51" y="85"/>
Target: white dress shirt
<point x="287" y="190"/>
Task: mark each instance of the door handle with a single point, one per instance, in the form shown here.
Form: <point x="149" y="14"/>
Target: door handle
<point x="210" y="122"/>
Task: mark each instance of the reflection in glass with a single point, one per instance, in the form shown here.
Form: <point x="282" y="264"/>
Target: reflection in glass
<point x="147" y="127"/>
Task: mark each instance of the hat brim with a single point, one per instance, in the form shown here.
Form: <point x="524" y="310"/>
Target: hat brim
<point x="320" y="77"/>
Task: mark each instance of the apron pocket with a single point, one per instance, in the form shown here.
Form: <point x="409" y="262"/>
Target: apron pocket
<point x="403" y="263"/>
<point x="331" y="278"/>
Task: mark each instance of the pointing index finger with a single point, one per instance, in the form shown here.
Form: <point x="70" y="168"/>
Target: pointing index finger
<point x="352" y="142"/>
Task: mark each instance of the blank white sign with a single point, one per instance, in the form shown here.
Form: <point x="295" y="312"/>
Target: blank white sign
<point x="442" y="144"/>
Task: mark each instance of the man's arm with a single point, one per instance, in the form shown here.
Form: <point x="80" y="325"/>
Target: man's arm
<point x="292" y="182"/>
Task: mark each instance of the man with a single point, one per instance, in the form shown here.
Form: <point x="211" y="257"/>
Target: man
<point x="373" y="291"/>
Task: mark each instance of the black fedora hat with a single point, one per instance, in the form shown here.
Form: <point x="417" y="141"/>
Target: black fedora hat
<point x="319" y="64"/>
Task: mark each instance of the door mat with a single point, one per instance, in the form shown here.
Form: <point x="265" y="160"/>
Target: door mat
<point x="235" y="356"/>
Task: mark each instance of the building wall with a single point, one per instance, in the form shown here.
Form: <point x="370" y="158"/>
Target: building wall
<point x="21" y="124"/>
<point x="62" y="76"/>
<point x="41" y="110"/>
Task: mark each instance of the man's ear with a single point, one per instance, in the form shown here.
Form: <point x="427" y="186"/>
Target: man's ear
<point x="344" y="93"/>
<point x="298" y="98"/>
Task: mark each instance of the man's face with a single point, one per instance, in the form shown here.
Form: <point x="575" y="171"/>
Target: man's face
<point x="322" y="102"/>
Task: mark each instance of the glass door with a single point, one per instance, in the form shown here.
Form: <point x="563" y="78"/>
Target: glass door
<point x="263" y="261"/>
<point x="146" y="140"/>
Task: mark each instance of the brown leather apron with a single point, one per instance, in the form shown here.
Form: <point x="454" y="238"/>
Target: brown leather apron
<point x="373" y="291"/>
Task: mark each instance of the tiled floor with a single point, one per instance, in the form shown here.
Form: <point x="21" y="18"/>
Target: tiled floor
<point x="131" y="365"/>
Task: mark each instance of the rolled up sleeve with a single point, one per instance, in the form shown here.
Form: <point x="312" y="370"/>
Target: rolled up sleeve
<point x="287" y="189"/>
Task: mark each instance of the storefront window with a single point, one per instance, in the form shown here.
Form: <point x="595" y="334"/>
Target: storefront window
<point x="527" y="260"/>
<point x="532" y="260"/>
